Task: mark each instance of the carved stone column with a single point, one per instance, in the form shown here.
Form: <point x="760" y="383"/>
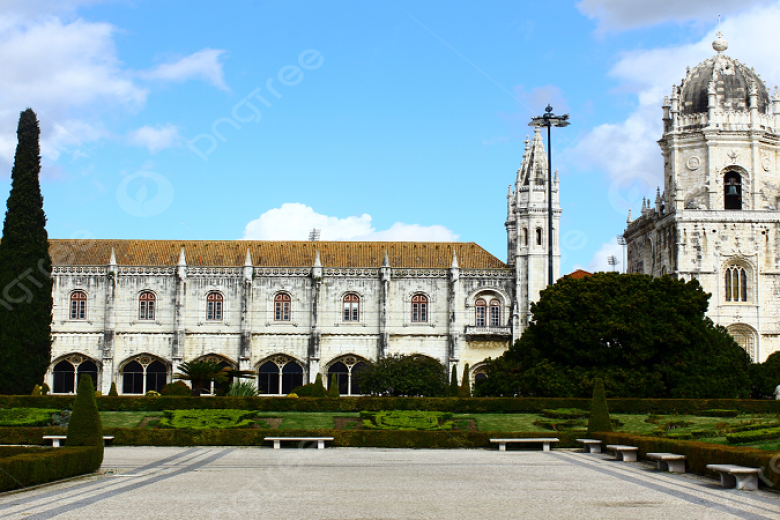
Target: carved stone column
<point x="177" y="346"/>
<point x="109" y="324"/>
<point x="245" y="355"/>
<point x="385" y="273"/>
<point x="452" y="308"/>
<point x="314" y="339"/>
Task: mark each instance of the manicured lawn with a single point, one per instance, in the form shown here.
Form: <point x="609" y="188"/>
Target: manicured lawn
<point x="124" y="419"/>
<point x="307" y="421"/>
<point x="500" y="422"/>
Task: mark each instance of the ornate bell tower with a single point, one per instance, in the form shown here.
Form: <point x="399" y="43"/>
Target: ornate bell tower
<point x="526" y="227"/>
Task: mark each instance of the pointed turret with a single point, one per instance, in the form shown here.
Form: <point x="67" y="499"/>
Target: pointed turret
<point x="630" y="219"/>
<point x="316" y="269"/>
<point x="454" y="260"/>
<point x="248" y="267"/>
<point x="248" y="259"/>
<point x="182" y="260"/>
<point x="317" y="262"/>
<point x="386" y="260"/>
<point x="112" y="260"/>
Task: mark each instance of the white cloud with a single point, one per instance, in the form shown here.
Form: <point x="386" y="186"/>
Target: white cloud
<point x="294" y="221"/>
<point x="627" y="150"/>
<point x="204" y="65"/>
<point x="599" y="260"/>
<point x="155" y="138"/>
<point x="628" y="14"/>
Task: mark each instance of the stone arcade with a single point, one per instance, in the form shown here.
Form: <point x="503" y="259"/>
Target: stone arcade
<point x="130" y="311"/>
<point x="717" y="219"/>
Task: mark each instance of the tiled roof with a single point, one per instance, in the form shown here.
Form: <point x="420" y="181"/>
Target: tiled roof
<point x="231" y="253"/>
<point x="579" y="273"/>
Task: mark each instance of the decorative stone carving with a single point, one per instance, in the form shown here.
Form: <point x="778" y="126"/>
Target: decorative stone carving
<point x="693" y="163"/>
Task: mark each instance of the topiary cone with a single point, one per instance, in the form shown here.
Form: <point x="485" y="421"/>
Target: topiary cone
<point x="333" y="389"/>
<point x="85" y="427"/>
<point x="465" y="386"/>
<point x="599" y="412"/>
<point x="319" y="389"/>
<point x="113" y="392"/>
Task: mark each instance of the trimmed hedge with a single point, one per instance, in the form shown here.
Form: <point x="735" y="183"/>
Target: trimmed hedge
<point x="26" y="416"/>
<point x="753" y="436"/>
<point x="719" y="413"/>
<point x="31" y="467"/>
<point x="698" y="454"/>
<point x="207" y="419"/>
<point x="356" y="404"/>
<point x="253" y="437"/>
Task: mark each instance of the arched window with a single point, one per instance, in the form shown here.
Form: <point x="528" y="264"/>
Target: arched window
<point x="481" y="317"/>
<point x="133" y="378"/>
<point x="279" y="377"/>
<point x="732" y="191"/>
<point x="138" y="378"/>
<point x="78" y="305"/>
<point x="419" y="308"/>
<point x="156" y="376"/>
<point x="538" y="236"/>
<point x="736" y="284"/>
<point x="346" y="375"/>
<point x="146" y="306"/>
<point x="351" y="307"/>
<point x="89" y="368"/>
<point x="495" y="313"/>
<point x="63" y="378"/>
<point x="214" y="306"/>
<point x="282" y="307"/>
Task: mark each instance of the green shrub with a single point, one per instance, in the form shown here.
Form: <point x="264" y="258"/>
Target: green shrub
<point x="333" y="389"/>
<point x="23" y="467"/>
<point x="718" y="413"/>
<point x="683" y="436"/>
<point x="753" y="436"/>
<point x="407" y="420"/>
<point x="26" y="416"/>
<point x="207" y="419"/>
<point x="240" y="388"/>
<point x="355" y="404"/>
<point x="319" y="389"/>
<point x="176" y="388"/>
<point x="565" y="425"/>
<point x="752" y="426"/>
<point x="85" y="427"/>
<point x="45" y="389"/>
<point x="452" y="390"/>
<point x="465" y="387"/>
<point x="114" y="393"/>
<point x="599" y="412"/>
<point x="304" y="391"/>
<point x="566" y="413"/>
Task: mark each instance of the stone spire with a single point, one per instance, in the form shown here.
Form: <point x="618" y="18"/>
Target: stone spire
<point x="182" y="261"/>
<point x="248" y="259"/>
<point x="112" y="260"/>
<point x="630" y="219"/>
<point x="317" y="262"/>
<point x="454" y="260"/>
<point x="386" y="261"/>
<point x="534" y="167"/>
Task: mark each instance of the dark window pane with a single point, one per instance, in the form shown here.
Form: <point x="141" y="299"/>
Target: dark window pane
<point x="89" y="368"/>
<point x="63" y="378"/>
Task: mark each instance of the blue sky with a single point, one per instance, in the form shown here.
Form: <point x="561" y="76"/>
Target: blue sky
<point x="381" y="121"/>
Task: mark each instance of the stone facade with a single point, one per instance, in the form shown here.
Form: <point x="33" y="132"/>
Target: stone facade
<point x="717" y="219"/>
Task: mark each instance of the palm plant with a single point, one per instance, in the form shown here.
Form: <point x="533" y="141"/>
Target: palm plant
<point x="201" y="373"/>
<point x="242" y="389"/>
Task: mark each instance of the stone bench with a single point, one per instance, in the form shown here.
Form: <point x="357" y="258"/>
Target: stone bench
<point x="671" y="462"/>
<point x="55" y="439"/>
<point x="624" y="453"/>
<point x="320" y="441"/>
<point x="740" y="477"/>
<point x="591" y="445"/>
<point x="545" y="442"/>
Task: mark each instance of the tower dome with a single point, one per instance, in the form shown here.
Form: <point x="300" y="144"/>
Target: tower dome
<point x="732" y="81"/>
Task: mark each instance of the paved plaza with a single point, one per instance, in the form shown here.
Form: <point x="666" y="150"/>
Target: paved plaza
<point x="372" y="483"/>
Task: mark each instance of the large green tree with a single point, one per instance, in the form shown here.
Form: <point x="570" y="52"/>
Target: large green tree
<point x="412" y="375"/>
<point x="25" y="271"/>
<point x="645" y="336"/>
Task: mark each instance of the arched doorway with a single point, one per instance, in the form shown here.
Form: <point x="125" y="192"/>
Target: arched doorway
<point x="144" y="374"/>
<point x="279" y="376"/>
<point x="67" y="374"/>
<point x="346" y="370"/>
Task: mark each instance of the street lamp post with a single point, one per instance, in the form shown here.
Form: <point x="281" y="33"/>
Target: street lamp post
<point x="549" y="120"/>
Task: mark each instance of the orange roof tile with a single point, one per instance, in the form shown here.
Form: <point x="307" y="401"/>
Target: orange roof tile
<point x="579" y="273"/>
<point x="231" y="253"/>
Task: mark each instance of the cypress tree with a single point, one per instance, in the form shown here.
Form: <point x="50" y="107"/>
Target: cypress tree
<point x="319" y="388"/>
<point x="465" y="388"/>
<point x="333" y="389"/>
<point x="453" y="389"/>
<point x="25" y="271"/>
<point x="599" y="412"/>
<point x="85" y="427"/>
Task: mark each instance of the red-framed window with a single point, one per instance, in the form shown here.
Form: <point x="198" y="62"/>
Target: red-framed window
<point x="481" y="310"/>
<point x="351" y="307"/>
<point x="146" y="305"/>
<point x="282" y="303"/>
<point x="419" y="308"/>
<point x="495" y="313"/>
<point x="214" y="306"/>
<point x="78" y="305"/>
